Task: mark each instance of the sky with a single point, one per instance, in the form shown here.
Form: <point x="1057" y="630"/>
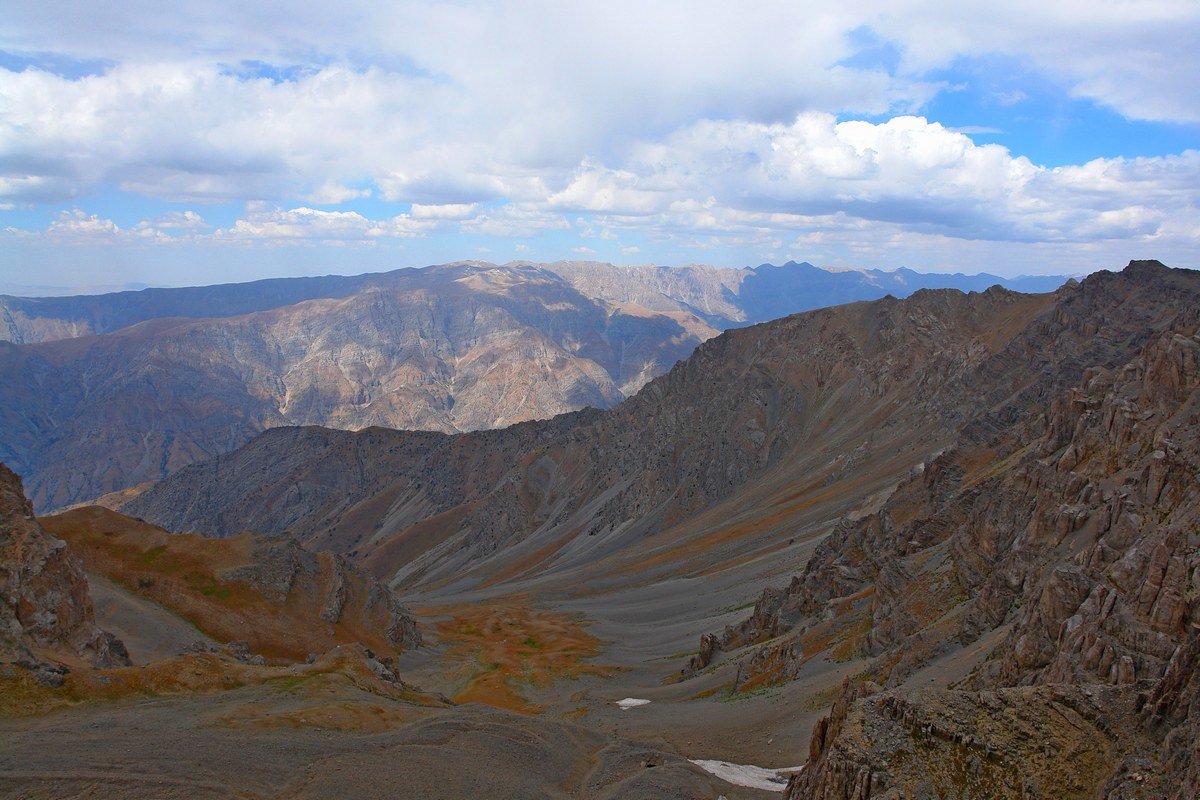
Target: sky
<point x="200" y="142"/>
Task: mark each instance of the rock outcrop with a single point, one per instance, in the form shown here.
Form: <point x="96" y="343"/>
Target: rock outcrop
<point x="281" y="600"/>
<point x="45" y="608"/>
<point x="283" y="571"/>
<point x="1046" y="741"/>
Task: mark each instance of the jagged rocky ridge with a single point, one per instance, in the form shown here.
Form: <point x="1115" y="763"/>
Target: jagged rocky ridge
<point x="1065" y="523"/>
<point x="45" y="608"/>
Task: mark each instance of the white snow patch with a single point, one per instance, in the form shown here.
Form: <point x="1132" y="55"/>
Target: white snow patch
<point x="747" y="775"/>
<point x="631" y="702"/>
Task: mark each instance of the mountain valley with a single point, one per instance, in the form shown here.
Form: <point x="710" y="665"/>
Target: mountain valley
<point x="927" y="546"/>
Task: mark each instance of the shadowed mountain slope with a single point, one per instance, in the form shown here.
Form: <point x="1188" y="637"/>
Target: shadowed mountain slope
<point x="1051" y="554"/>
<point x="740" y="407"/>
<point x="463" y="348"/>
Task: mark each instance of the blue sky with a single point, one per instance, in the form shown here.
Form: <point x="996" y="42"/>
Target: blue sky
<point x="221" y="141"/>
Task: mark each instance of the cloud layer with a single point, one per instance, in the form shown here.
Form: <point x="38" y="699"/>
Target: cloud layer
<point x="795" y="125"/>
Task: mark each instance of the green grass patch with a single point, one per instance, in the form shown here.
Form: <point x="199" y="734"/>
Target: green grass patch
<point x="208" y="586"/>
<point x="153" y="555"/>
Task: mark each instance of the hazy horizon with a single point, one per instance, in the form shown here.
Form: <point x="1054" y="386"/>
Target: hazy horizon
<point x="53" y="290"/>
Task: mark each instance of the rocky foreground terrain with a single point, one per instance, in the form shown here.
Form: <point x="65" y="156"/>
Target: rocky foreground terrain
<point x="45" y="609"/>
<point x="108" y="392"/>
<point x="1066" y="528"/>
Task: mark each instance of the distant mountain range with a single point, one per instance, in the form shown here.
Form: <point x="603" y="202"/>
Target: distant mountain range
<point x="725" y="296"/>
<point x="48" y="290"/>
<point x="107" y="392"/>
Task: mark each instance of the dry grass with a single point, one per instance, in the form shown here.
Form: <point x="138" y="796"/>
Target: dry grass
<point x="183" y="573"/>
<point x="203" y="673"/>
<point x="497" y="647"/>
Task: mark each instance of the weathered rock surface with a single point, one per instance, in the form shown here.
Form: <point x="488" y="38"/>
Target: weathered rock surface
<point x="1046" y="741"/>
<point x="45" y="609"/>
<point x="1065" y="519"/>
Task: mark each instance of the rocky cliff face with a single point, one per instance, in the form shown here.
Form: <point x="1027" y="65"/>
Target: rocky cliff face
<point x="45" y="608"/>
<point x="1065" y="523"/>
<point x="450" y="349"/>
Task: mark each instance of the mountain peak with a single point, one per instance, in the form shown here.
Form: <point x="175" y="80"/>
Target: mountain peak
<point x="1146" y="268"/>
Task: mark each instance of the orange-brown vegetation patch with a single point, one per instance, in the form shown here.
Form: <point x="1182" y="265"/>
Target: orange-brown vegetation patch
<point x="347" y="700"/>
<point x="183" y="573"/>
<point x="201" y="673"/>
<point x="499" y="646"/>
